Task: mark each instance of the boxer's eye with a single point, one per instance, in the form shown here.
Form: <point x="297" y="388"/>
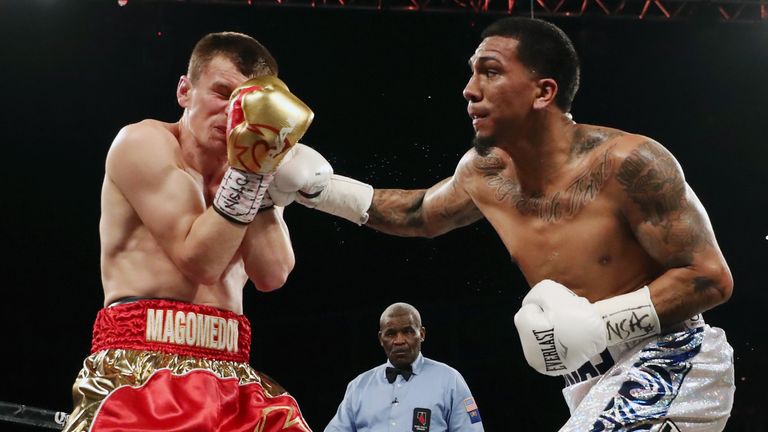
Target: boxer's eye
<point x="221" y="90"/>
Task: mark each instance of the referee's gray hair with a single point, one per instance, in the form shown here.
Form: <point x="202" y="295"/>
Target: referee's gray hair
<point x="400" y="308"/>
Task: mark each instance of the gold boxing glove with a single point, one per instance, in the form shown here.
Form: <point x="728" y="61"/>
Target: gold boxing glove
<point x="265" y="120"/>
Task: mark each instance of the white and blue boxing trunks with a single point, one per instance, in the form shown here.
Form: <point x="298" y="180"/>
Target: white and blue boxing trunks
<point x="679" y="381"/>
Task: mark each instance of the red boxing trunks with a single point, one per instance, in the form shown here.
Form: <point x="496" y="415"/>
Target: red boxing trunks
<point x="160" y="365"/>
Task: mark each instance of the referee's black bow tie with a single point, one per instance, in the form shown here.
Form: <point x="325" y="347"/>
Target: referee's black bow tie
<point x="392" y="374"/>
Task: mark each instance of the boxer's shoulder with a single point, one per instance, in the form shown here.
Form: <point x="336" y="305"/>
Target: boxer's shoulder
<point x="641" y="162"/>
<point x="147" y="138"/>
<point x="618" y="144"/>
<point x="473" y="164"/>
<point x="629" y="156"/>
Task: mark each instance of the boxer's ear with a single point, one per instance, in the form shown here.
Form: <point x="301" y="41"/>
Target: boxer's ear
<point x="182" y="91"/>
<point x="547" y="90"/>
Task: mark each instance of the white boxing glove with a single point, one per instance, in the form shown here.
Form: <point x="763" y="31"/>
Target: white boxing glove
<point x="306" y="177"/>
<point x="560" y="331"/>
<point x="302" y="168"/>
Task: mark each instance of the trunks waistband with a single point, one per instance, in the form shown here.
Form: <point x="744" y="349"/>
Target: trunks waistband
<point x="173" y="327"/>
<point x="602" y="362"/>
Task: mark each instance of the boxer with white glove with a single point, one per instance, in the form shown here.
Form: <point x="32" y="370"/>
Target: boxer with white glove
<point x="560" y="331"/>
<point x="264" y="122"/>
<point x="306" y="177"/>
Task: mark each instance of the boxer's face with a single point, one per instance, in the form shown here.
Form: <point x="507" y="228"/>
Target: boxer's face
<point x="500" y="92"/>
<point x="206" y="101"/>
<point x="401" y="337"/>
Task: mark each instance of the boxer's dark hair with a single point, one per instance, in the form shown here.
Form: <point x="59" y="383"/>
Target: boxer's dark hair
<point x="545" y="49"/>
<point x="250" y="57"/>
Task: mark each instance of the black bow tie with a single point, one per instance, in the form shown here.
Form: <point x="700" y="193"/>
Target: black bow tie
<point x="393" y="372"/>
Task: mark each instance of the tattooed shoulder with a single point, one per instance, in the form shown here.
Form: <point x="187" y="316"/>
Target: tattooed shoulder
<point x="653" y="180"/>
<point x="585" y="140"/>
<point x="488" y="164"/>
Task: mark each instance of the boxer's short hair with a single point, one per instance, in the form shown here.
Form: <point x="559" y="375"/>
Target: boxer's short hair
<point x="250" y="57"/>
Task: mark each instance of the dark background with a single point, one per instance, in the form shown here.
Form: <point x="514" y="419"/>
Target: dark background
<point x="386" y="90"/>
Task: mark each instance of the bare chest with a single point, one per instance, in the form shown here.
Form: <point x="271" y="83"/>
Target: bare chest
<point x="594" y="253"/>
<point x="544" y="234"/>
<point x="574" y="233"/>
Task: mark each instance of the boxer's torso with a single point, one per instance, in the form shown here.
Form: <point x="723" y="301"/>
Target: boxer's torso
<point x="573" y="230"/>
<point x="133" y="262"/>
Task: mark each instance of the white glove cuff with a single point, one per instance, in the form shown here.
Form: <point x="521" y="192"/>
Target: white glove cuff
<point x="240" y="194"/>
<point x="343" y="197"/>
<point x="629" y="316"/>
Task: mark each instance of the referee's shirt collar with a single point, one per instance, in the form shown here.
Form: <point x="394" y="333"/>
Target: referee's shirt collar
<point x="416" y="366"/>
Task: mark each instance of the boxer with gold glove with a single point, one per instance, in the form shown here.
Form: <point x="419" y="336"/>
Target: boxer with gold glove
<point x="264" y="121"/>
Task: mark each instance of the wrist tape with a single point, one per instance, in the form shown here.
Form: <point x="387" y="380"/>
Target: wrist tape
<point x="240" y="195"/>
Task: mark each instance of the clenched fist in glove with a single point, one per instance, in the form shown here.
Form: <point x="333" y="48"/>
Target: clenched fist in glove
<point x="560" y="331"/>
<point x="265" y="120"/>
<point x="306" y="177"/>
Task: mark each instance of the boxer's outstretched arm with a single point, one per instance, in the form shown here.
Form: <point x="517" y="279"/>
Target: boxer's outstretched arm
<point x="267" y="250"/>
<point x="424" y="212"/>
<point x="143" y="165"/>
<point x="306" y="177"/>
<point x="673" y="227"/>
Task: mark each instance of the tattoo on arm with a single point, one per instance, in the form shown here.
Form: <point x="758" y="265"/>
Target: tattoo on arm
<point x="653" y="181"/>
<point x="424" y="212"/>
<point x="404" y="208"/>
<point x="702" y="284"/>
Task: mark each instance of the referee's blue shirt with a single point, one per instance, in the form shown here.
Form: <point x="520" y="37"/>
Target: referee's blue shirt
<point x="434" y="399"/>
